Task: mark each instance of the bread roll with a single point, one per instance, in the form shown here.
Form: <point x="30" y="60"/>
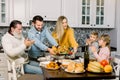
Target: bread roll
<point x="79" y="69"/>
<point x="71" y="67"/>
<point x="79" y="65"/>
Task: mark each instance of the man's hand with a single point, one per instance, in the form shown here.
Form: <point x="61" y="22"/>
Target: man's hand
<point x="51" y="51"/>
<point x="28" y="42"/>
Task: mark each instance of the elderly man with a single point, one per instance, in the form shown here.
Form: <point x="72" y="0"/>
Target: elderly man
<point x="14" y="46"/>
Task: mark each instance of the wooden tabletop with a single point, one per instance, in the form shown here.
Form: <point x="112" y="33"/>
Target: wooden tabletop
<point x="62" y="75"/>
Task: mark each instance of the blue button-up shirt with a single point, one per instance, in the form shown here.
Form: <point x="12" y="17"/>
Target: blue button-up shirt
<point x="39" y="38"/>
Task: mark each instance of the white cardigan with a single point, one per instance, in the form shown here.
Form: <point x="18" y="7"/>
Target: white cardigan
<point x="13" y="47"/>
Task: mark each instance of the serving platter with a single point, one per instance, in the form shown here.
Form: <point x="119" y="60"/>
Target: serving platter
<point x="74" y="71"/>
<point x="99" y="72"/>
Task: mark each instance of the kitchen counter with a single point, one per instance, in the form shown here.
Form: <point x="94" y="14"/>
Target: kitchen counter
<point x="112" y="48"/>
<point x="82" y="49"/>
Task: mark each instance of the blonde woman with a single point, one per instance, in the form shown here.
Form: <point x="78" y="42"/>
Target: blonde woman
<point x="64" y="35"/>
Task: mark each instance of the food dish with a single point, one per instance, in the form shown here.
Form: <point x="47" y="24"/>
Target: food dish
<point x="63" y="54"/>
<point x="74" y="67"/>
<point x="73" y="71"/>
<point x="52" y="65"/>
<point x="52" y="68"/>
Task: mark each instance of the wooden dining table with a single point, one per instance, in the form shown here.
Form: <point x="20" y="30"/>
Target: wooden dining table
<point x="62" y="75"/>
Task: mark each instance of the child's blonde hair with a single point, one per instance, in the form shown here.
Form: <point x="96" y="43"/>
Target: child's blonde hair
<point x="95" y="34"/>
<point x="106" y="38"/>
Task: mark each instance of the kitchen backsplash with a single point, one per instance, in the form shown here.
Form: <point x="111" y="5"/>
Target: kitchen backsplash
<point x="80" y="33"/>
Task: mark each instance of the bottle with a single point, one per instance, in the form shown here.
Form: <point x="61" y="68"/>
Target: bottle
<point x="86" y="57"/>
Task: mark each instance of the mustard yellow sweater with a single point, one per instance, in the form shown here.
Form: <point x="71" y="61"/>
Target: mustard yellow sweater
<point x="68" y="39"/>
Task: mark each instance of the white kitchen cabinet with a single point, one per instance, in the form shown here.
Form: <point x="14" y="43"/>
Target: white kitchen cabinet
<point x="48" y="9"/>
<point x="19" y="11"/>
<point x="4" y="13"/>
<point x="96" y="13"/>
<point x="70" y="10"/>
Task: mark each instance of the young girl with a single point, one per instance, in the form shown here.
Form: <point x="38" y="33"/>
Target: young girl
<point x="104" y="51"/>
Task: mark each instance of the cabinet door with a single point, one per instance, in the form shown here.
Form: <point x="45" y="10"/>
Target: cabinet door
<point x="4" y="13"/>
<point x="48" y="9"/>
<point x="85" y="13"/>
<point x="19" y="11"/>
<point x="110" y="13"/>
<point x="95" y="13"/>
<point x="70" y="10"/>
<point x="99" y="18"/>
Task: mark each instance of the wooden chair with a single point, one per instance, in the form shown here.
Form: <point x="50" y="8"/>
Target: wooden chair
<point x="116" y="67"/>
<point x="15" y="67"/>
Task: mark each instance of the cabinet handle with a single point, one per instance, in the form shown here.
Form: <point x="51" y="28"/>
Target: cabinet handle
<point x="108" y="25"/>
<point x="0" y="59"/>
<point x="91" y="25"/>
<point x="94" y="25"/>
<point x="0" y="74"/>
<point x="45" y="16"/>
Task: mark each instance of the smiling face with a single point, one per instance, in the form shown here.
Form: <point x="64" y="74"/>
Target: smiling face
<point x="101" y="42"/>
<point x="38" y="25"/>
<point x="93" y="37"/>
<point x="17" y="31"/>
<point x="64" y="23"/>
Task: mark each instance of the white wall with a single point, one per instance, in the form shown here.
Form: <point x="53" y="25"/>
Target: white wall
<point x="113" y="37"/>
<point x="113" y="32"/>
<point x="118" y="25"/>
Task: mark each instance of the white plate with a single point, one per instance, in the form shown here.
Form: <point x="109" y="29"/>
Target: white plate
<point x="74" y="72"/>
<point x="43" y="64"/>
<point x="77" y="61"/>
<point x="46" y="58"/>
<point x="65" y="61"/>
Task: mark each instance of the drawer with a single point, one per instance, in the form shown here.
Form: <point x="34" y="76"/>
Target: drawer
<point x="3" y="74"/>
<point x="3" y="60"/>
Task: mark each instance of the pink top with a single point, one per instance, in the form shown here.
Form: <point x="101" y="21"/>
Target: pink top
<point x="103" y="54"/>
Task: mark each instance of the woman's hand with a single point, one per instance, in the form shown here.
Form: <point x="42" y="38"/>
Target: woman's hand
<point x="74" y="52"/>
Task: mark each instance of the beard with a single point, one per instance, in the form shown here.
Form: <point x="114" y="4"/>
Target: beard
<point x="17" y="35"/>
<point x="38" y="29"/>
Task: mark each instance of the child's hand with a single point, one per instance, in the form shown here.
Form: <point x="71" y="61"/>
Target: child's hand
<point x="93" y="49"/>
<point x="88" y="42"/>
